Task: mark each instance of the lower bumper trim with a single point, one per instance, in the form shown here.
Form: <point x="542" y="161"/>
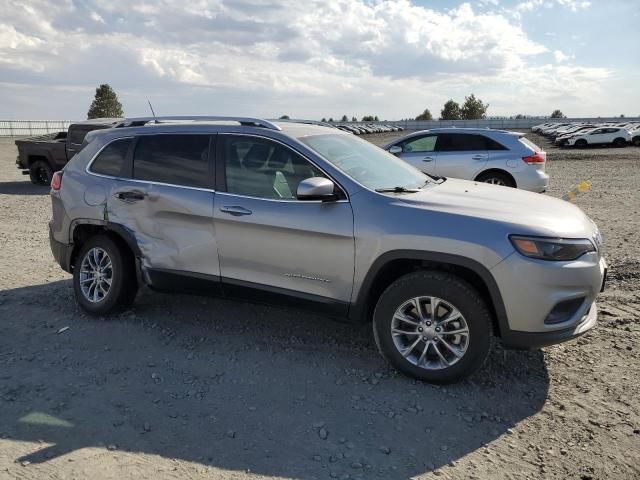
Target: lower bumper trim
<point x="518" y="340"/>
<point x="61" y="252"/>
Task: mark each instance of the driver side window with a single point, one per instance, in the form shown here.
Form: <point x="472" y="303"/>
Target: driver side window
<point x="421" y="144"/>
<point x="257" y="167"/>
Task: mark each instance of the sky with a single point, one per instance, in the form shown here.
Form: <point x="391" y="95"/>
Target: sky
<point x="319" y="58"/>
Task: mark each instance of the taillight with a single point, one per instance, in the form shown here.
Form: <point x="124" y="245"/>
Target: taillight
<point x="56" y="181"/>
<point x="537" y="157"/>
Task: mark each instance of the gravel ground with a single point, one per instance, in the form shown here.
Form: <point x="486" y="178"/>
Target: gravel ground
<point x="193" y="387"/>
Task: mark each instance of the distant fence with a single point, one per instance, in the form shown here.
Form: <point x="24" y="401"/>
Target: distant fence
<point x="20" y="128"/>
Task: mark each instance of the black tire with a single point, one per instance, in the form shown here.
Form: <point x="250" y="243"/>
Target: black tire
<point x="619" y="142"/>
<point x="40" y="173"/>
<point x="124" y="286"/>
<point x="636" y="141"/>
<point x="496" y="178"/>
<point x="582" y="143"/>
<point x="450" y="289"/>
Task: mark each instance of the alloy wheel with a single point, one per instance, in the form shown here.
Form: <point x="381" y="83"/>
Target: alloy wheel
<point x="430" y="332"/>
<point x="96" y="275"/>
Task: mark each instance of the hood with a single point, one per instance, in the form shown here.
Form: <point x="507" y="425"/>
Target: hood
<point x="524" y="212"/>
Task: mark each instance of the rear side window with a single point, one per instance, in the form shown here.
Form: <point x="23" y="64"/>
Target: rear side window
<point x="530" y="144"/>
<point x="77" y="134"/>
<point x="174" y="159"/>
<point x="460" y="142"/>
<point x="111" y="160"/>
<point x="493" y="144"/>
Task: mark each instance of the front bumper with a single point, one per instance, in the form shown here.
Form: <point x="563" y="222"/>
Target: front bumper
<point x="532" y="289"/>
<point x="513" y="339"/>
<point x="61" y="252"/>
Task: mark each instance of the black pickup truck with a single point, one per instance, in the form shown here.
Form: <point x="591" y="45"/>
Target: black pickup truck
<point x="40" y="156"/>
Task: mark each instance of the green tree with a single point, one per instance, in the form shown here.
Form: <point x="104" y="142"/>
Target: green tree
<point x="368" y="118"/>
<point x="344" y="118"/>
<point x="473" y="108"/>
<point x="376" y="119"/>
<point x="284" y="117"/>
<point x="450" y="111"/>
<point x="558" y="114"/>
<point x="426" y="115"/>
<point x="330" y="119"/>
<point x="323" y="119"/>
<point x="354" y="119"/>
<point x="105" y="104"/>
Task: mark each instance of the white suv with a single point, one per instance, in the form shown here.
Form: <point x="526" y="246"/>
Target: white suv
<point x="618" y="137"/>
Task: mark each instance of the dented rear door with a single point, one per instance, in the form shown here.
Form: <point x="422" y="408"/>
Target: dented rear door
<point x="168" y="203"/>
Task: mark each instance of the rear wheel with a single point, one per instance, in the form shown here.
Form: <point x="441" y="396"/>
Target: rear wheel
<point x="104" y="279"/>
<point x="433" y="326"/>
<point x="40" y="173"/>
<point x="496" y="178"/>
<point x="636" y="141"/>
<point x="619" y="142"/>
<point x="581" y="143"/>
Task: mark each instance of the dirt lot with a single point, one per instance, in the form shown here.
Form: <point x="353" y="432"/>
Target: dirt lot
<point x="192" y="387"/>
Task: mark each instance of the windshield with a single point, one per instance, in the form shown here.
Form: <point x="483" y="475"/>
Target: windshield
<point x="367" y="164"/>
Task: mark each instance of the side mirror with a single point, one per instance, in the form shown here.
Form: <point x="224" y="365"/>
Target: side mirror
<point x="395" y="150"/>
<point x="316" y="188"/>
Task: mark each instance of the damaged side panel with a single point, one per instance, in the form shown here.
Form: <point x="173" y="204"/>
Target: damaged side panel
<point x="173" y="226"/>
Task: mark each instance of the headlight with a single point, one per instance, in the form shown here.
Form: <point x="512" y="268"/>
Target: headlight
<point x="558" y="249"/>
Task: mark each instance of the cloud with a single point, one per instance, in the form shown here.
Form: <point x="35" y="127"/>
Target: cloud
<point x="353" y="56"/>
<point x="559" y="57"/>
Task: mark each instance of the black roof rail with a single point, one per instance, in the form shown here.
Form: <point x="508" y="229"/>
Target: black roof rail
<point x="245" y="121"/>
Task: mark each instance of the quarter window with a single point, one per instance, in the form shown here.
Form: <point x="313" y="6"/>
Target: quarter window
<point x="112" y="158"/>
<point x="259" y="168"/>
<point x="492" y="144"/>
<point x="174" y="159"/>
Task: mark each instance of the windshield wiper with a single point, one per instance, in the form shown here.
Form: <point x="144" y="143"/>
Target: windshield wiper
<point x="397" y="190"/>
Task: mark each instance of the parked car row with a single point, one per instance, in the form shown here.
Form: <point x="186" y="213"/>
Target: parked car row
<point x="583" y="134"/>
<point x="368" y="128"/>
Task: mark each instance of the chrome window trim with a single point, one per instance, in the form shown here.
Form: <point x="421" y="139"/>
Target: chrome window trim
<point x="135" y="180"/>
<point x="345" y="200"/>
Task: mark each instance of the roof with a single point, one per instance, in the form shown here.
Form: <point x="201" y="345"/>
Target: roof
<point x="99" y="121"/>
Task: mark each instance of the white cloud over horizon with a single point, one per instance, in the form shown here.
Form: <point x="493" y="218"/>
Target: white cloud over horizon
<point x="308" y="59"/>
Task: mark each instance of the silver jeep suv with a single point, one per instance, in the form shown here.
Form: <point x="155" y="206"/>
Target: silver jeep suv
<point x="316" y="217"/>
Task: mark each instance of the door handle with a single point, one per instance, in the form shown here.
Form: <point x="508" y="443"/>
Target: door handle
<point x="427" y="159"/>
<point x="235" y="210"/>
<point x="479" y="157"/>
<point x="131" y="196"/>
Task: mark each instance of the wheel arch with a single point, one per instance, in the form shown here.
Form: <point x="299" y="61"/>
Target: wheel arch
<point x="34" y="157"/>
<point x="82" y="230"/>
<point x="392" y="265"/>
<point x="496" y="170"/>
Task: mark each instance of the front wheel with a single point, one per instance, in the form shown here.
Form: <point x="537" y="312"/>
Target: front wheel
<point x="582" y="143"/>
<point x="104" y="279"/>
<point x="433" y="326"/>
